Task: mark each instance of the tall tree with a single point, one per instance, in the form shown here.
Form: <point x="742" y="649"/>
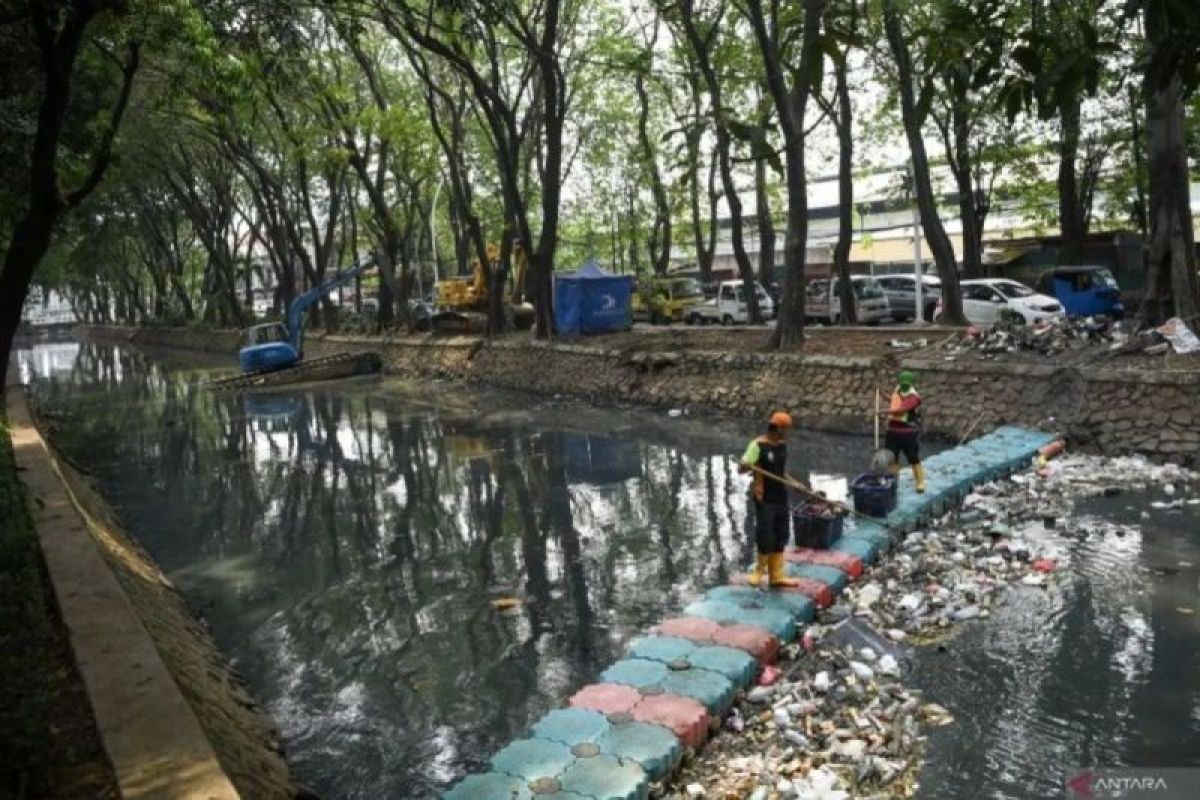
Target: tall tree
<point x="914" y="108"/>
<point x="701" y="32"/>
<point x="1171" y="74"/>
<point x="60" y="34"/>
<point x="791" y="103"/>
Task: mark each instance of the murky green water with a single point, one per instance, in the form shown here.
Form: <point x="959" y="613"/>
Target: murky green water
<point x="345" y="544"/>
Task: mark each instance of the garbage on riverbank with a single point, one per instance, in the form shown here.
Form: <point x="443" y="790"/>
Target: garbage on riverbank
<point x="841" y="723"/>
<point x="1046" y="338"/>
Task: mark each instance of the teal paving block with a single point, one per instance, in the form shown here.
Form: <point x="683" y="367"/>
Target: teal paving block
<point x="605" y="777"/>
<point x="798" y="605"/>
<point x="489" y="786"/>
<point x="832" y="577"/>
<point x="712" y="689"/>
<point x="570" y="726"/>
<point x="736" y="665"/>
<point x="778" y="623"/>
<point x="531" y="759"/>
<point x="654" y="748"/>
<point x="865" y="549"/>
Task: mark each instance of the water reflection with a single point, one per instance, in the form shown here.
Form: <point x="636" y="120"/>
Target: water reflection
<point x="345" y="545"/>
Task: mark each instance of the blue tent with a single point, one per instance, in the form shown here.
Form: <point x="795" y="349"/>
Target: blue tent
<point x="591" y="300"/>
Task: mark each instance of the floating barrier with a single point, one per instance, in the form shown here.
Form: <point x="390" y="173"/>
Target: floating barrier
<point x="620" y="735"/>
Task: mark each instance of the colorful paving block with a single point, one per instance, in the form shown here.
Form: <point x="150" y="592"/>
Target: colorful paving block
<point x="736" y="665"/>
<point x="832" y="577"/>
<point x="848" y="563"/>
<point x="680" y="677"/>
<point x="818" y="592"/>
<point x="793" y="603"/>
<point x="683" y="716"/>
<point x="780" y="624"/>
<point x="490" y="786"/>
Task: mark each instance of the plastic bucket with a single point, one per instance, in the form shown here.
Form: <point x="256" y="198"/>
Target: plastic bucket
<point x="874" y="495"/>
<point x="817" y="526"/>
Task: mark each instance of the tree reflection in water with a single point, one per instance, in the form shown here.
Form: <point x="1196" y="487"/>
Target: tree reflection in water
<point x="345" y="545"/>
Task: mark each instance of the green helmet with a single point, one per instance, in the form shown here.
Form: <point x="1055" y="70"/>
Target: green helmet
<point x="907" y="379"/>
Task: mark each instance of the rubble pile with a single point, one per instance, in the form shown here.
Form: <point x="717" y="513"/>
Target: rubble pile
<point x="841" y="725"/>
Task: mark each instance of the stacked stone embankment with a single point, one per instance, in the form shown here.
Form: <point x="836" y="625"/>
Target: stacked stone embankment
<point x="1101" y="409"/>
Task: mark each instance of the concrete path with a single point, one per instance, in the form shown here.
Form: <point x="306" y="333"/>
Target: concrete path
<point x="631" y="729"/>
<point x="152" y="737"/>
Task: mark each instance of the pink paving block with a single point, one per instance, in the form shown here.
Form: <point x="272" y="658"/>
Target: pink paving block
<point x="759" y="643"/>
<point x="607" y="698"/>
<point x="697" y="629"/>
<point x="818" y="592"/>
<point x="847" y="562"/>
<point x="683" y="716"/>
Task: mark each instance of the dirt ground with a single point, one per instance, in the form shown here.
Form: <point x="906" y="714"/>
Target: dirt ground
<point x="904" y="341"/>
<point x="49" y="746"/>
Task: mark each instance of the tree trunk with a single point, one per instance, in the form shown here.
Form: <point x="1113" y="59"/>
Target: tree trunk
<point x="791" y="105"/>
<point x="931" y="222"/>
<point x="964" y="180"/>
<point x="1070" y="209"/>
<point x="659" y="240"/>
<point x="1171" y="284"/>
<point x="766" y="229"/>
<point x="701" y="48"/>
<point x="841" y="251"/>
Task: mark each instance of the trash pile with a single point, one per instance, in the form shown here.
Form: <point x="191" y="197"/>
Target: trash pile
<point x="1051" y="337"/>
<point x="1046" y="338"/>
<point x="841" y="725"/>
<point x="1172" y="335"/>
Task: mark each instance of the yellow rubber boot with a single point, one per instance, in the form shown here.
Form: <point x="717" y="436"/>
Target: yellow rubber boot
<point x="759" y="572"/>
<point x="919" y="475"/>
<point x="779" y="579"/>
<point x="894" y="468"/>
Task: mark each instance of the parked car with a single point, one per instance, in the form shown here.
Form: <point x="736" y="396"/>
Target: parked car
<point x="987" y="301"/>
<point x="729" y="306"/>
<point x="901" y="293"/>
<point x="823" y="304"/>
<point x="1083" y="291"/>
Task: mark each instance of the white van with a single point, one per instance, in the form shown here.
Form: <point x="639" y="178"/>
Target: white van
<point x="823" y="304"/>
<point x="729" y="306"/>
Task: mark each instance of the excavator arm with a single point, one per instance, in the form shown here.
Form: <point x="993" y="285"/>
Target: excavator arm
<point x="296" y="311"/>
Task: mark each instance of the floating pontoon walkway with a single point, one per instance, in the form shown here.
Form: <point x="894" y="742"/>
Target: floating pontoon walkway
<point x="632" y="727"/>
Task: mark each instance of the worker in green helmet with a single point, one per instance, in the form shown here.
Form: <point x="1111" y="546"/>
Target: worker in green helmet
<point x="904" y="427"/>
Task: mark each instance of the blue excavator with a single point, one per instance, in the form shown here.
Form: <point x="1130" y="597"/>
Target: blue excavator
<point x="274" y="351"/>
<point x="278" y="345"/>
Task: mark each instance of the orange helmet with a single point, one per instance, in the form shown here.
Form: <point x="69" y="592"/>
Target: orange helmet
<point x="781" y="419"/>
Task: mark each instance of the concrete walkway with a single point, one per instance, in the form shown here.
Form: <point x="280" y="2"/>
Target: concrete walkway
<point x="156" y="745"/>
<point x="632" y="727"/>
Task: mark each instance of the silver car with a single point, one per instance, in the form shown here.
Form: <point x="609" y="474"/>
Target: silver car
<point x="902" y="295"/>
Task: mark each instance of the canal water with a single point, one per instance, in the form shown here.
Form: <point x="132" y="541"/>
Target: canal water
<point x="347" y="543"/>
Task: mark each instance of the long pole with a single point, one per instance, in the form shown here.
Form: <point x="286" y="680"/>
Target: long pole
<point x="877" y="419"/>
<point x="789" y="481"/>
<point x="919" y="286"/>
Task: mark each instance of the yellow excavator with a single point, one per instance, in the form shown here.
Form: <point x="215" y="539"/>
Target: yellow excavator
<point x="460" y="305"/>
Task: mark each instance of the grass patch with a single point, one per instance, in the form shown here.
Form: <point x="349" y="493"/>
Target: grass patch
<point x="49" y="746"/>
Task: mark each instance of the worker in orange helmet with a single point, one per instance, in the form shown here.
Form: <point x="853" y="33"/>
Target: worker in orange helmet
<point x="772" y="517"/>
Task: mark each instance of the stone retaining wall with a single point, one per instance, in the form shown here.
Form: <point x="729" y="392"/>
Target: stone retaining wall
<point x="1155" y="412"/>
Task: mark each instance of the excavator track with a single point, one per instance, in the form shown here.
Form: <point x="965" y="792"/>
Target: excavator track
<point x="342" y="365"/>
